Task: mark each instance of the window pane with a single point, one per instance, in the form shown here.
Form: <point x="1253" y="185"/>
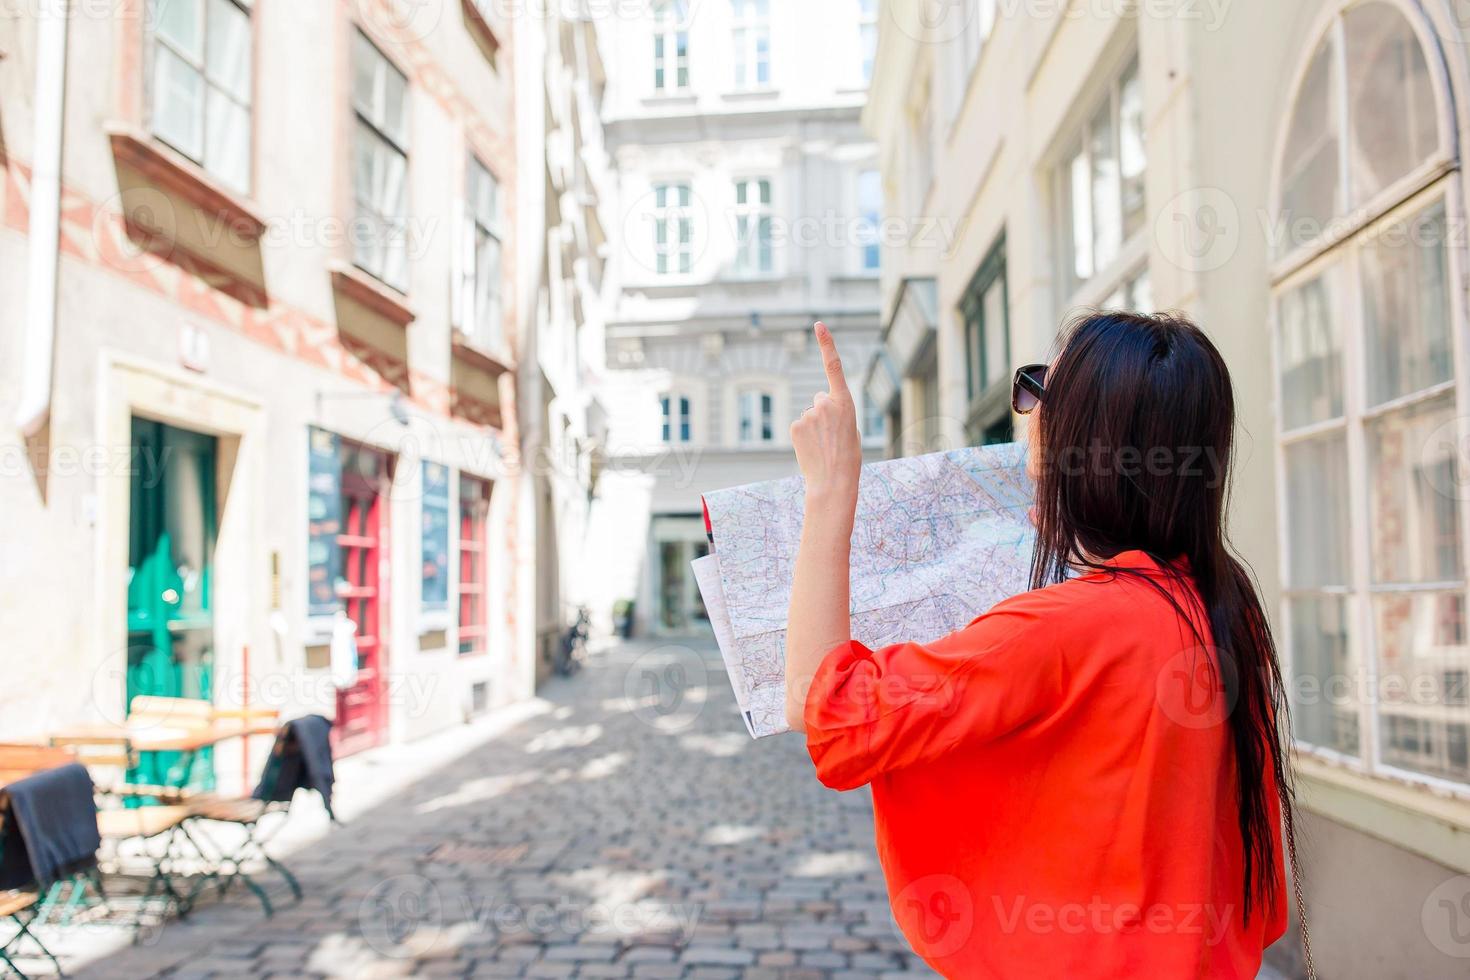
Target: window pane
<point x="181" y="23"/>
<point x="1311" y="354"/>
<point x="227" y="147"/>
<point x="487" y="289"/>
<point x="1131" y="156"/>
<point x="228" y="63"/>
<point x="367" y="67"/>
<point x="996" y="367"/>
<point x="1309" y="187"/>
<point x="1423" y="664"/>
<point x="1414" y="511"/>
<point x="483" y="196"/>
<point x="1079" y="209"/>
<point x="1316" y="512"/>
<point x="1406" y="307"/>
<point x="1325" y="680"/>
<point x="178" y="94"/>
<point x="1393" y="122"/>
<point x="1106" y="200"/>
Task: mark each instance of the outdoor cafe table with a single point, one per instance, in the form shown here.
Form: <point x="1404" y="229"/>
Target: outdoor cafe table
<point x="187" y="740"/>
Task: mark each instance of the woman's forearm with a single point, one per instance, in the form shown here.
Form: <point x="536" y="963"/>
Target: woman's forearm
<point x="818" y="619"/>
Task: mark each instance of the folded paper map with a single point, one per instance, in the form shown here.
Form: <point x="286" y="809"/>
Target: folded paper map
<point x="938" y="540"/>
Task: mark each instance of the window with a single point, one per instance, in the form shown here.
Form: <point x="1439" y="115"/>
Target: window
<point x="673" y="229"/>
<point x="483" y="193"/>
<point x="987" y="350"/>
<point x="870" y="219"/>
<point x="474" y="565"/>
<point x="199" y="83"/>
<point x="434" y="554"/>
<point x="752" y="43"/>
<point x="867" y="21"/>
<point x="674" y="410"/>
<point x="1100" y="185"/>
<point x="380" y="165"/>
<point x="670" y="47"/>
<point x="753" y="235"/>
<point x="979" y="18"/>
<point x="1369" y="430"/>
<point x="756" y="417"/>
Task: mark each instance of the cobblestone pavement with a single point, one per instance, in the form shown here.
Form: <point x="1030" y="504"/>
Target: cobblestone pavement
<point x="630" y="828"/>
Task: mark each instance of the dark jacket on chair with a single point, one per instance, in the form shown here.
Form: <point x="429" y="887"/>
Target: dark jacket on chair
<point x="301" y="759"/>
<point x="50" y="827"/>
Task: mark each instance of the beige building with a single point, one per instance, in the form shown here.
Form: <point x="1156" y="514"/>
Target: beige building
<point x="1290" y="175"/>
<point x="258" y="373"/>
<point x="564" y="220"/>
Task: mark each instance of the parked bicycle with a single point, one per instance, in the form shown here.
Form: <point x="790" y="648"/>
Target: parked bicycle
<point x="572" y="652"/>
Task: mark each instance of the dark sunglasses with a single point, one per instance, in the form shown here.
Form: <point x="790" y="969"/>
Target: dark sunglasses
<point x="1028" y="389"/>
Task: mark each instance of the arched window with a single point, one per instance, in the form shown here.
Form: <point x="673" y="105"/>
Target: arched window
<point x="1369" y="356"/>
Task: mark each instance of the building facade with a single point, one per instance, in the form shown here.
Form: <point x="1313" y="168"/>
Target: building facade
<point x="565" y="218"/>
<point x="746" y="203"/>
<point x="259" y="379"/>
<point x="1290" y="176"/>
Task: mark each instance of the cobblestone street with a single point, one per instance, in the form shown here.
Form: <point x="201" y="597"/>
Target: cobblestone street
<point x="628" y="826"/>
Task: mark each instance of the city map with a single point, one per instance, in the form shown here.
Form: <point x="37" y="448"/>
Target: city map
<point x="938" y="540"/>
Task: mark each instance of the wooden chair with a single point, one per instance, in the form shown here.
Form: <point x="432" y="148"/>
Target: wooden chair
<point x="20" y="907"/>
<point x="21" y="759"/>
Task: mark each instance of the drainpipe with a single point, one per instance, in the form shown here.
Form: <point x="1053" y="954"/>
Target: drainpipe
<point x="45" y="221"/>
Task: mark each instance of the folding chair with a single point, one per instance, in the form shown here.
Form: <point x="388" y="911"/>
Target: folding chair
<point x="145" y="825"/>
<point x="20" y="907"/>
<point x="284" y="773"/>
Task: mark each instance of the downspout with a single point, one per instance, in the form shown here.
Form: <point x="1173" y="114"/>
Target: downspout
<point x="45" y="219"/>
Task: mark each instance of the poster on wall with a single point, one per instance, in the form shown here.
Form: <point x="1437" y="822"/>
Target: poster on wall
<point x="434" y="599"/>
<point x="324" y="522"/>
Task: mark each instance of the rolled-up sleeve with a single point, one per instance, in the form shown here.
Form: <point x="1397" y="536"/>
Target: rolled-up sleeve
<point x="868" y="712"/>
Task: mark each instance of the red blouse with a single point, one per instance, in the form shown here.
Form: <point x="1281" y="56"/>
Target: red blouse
<point x="1053" y="787"/>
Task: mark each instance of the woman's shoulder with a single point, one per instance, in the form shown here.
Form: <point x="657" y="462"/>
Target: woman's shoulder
<point x="1097" y="597"/>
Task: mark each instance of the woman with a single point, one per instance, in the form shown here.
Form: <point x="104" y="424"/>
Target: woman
<point x="1088" y="780"/>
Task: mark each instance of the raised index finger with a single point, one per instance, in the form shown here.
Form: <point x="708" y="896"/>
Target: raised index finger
<point x="836" y="380"/>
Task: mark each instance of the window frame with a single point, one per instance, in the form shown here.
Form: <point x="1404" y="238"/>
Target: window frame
<point x="1434" y="182"/>
<point x="472" y="550"/>
<point x="765" y="408"/>
<point x="361" y="117"/>
<point x="1132" y="250"/>
<point x="748" y="247"/>
<point x="491" y="336"/>
<point x="685" y="430"/>
<point x="750" y="25"/>
<point x="866" y="21"/>
<point x="670" y="219"/>
<point x="671" y="34"/>
<point x="986" y="404"/>
<point x="153" y="40"/>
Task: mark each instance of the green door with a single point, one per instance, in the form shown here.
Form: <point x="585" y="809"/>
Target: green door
<point x="172" y="527"/>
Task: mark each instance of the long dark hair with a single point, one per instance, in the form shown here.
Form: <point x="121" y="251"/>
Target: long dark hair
<point x="1135" y="434"/>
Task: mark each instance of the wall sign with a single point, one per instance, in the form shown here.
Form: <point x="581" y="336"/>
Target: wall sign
<point x="324" y="522"/>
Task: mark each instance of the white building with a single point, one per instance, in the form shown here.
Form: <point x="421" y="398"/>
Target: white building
<point x="1290" y="175"/>
<point x="564" y="210"/>
<point x="746" y="201"/>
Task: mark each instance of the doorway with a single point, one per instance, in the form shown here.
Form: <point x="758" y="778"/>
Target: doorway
<point x="364" y="589"/>
<point x="678" y="541"/>
<point x="172" y="528"/>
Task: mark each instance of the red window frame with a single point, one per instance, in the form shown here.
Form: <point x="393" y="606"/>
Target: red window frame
<point x="474" y="565"/>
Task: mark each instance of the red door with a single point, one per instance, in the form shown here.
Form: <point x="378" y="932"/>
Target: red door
<point x="362" y="716"/>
